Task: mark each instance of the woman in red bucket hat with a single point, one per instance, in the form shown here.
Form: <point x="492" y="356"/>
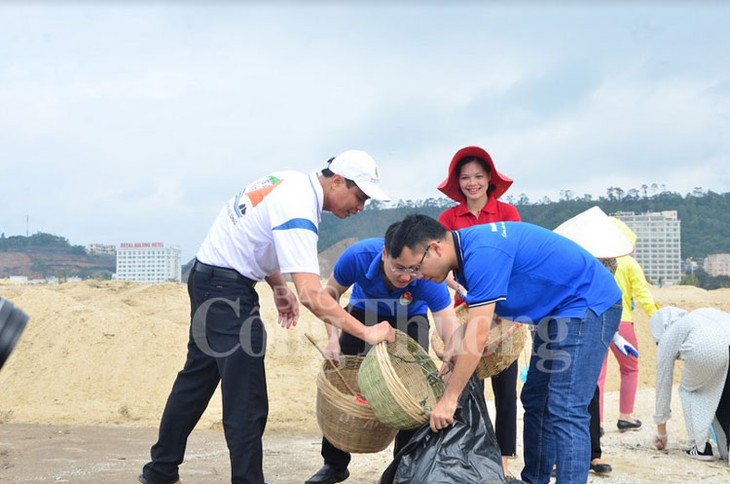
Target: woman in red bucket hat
<point x="475" y="183"/>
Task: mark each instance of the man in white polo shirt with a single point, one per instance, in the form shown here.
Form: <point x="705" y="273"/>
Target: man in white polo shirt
<point x="268" y="229"/>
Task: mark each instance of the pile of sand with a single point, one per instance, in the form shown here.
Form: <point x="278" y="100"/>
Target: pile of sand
<point x="106" y="353"/>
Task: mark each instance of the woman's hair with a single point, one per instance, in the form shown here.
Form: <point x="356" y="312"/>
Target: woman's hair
<point x="484" y="165"/>
<point x="413" y="232"/>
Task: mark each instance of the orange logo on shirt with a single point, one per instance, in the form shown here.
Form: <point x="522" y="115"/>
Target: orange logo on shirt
<point x="255" y="193"/>
<point x="258" y="192"/>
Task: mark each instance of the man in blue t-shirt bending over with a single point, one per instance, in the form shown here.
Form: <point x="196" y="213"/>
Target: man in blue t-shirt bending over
<point x="382" y="290"/>
<point x="525" y="273"/>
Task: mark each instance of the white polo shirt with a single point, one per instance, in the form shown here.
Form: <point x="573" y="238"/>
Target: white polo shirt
<point x="271" y="226"/>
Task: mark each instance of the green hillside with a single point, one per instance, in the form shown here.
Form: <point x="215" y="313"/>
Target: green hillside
<point x="704" y="216"/>
<point x="44" y="255"/>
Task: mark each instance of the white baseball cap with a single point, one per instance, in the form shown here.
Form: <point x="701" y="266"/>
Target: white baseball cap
<point x="358" y="166"/>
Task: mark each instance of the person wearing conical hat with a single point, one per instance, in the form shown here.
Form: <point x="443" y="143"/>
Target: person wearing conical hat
<point x="635" y="289"/>
<point x="595" y="231"/>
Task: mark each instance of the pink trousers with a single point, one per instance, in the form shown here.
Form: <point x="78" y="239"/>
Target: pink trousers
<point x="629" y="367"/>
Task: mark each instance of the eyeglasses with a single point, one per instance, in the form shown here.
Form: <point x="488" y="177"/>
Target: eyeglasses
<point x="410" y="271"/>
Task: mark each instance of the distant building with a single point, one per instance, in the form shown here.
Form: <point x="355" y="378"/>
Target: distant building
<point x="148" y="262"/>
<point x="101" y="249"/>
<point x="689" y="265"/>
<point x="658" y="243"/>
<point x="717" y="265"/>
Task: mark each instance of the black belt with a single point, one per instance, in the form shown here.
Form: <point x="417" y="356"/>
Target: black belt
<point x="221" y="272"/>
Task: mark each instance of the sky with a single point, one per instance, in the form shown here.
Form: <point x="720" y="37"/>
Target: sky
<point x="136" y="121"/>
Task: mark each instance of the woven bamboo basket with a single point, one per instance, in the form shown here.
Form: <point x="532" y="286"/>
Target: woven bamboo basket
<point x="348" y="424"/>
<point x="504" y="344"/>
<point x="400" y="382"/>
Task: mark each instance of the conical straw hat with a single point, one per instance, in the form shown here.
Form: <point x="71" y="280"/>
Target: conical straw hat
<point x="595" y="232"/>
<point x="625" y="229"/>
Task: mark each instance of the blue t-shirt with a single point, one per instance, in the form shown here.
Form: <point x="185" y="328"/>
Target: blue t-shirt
<point x="360" y="266"/>
<point x="531" y="272"/>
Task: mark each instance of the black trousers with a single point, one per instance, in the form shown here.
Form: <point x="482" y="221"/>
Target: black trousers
<point x="416" y="327"/>
<point x="595" y="426"/>
<point x="504" y="386"/>
<point x="227" y="343"/>
<point x="723" y="408"/>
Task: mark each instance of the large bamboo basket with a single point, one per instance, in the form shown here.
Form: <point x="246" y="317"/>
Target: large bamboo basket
<point x="504" y="344"/>
<point x="400" y="382"/>
<point x="347" y="423"/>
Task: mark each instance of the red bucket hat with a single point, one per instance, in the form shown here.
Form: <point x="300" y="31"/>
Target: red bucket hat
<point x="450" y="186"/>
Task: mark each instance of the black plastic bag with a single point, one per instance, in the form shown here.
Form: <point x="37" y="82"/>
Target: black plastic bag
<point x="466" y="451"/>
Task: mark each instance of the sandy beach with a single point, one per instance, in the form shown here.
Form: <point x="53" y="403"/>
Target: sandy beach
<point x="81" y="395"/>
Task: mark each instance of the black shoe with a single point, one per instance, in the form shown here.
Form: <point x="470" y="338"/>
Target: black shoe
<point x="601" y="468"/>
<point x="144" y="480"/>
<point x="624" y="425"/>
<point x="328" y="475"/>
<point x="694" y="453"/>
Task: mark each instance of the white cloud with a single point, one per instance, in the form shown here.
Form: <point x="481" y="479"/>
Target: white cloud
<point x="139" y="121"/>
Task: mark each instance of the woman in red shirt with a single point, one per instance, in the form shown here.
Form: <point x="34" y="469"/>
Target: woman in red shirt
<point x="476" y="184"/>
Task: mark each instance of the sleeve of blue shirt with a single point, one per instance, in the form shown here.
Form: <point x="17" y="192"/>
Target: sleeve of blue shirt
<point x="345" y="268"/>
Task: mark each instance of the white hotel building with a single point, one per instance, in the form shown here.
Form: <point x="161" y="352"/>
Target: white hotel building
<point x="148" y="262"/>
<point x="657" y="245"/>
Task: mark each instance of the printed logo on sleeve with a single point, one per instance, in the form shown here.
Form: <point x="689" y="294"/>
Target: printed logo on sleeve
<point x="253" y="194"/>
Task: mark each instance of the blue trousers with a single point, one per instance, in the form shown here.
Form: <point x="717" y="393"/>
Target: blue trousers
<point x="227" y="343"/>
<point x="567" y="355"/>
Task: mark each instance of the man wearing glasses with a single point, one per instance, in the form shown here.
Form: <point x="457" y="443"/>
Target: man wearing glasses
<point x="525" y="273"/>
<point x="382" y="290"/>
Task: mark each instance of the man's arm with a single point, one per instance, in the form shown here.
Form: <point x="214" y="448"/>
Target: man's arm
<point x="332" y="350"/>
<point x="284" y="299"/>
<point x="640" y="288"/>
<point x="667" y="353"/>
<point x="446" y="323"/>
<point x="452" y="284"/>
<point x="471" y="348"/>
<point x="325" y="307"/>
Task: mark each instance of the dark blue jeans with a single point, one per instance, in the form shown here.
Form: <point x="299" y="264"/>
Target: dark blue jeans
<point x="227" y="344"/>
<point x="567" y="354"/>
